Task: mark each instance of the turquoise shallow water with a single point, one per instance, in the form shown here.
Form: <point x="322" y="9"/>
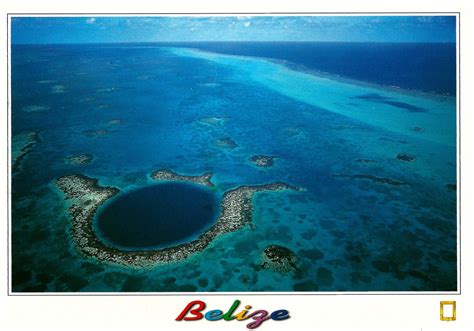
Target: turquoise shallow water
<point x="367" y="221"/>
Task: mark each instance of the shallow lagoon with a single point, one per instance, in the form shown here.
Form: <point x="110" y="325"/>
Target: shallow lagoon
<point x="350" y="233"/>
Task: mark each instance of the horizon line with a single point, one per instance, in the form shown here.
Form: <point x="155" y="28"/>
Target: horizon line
<point x="235" y="41"/>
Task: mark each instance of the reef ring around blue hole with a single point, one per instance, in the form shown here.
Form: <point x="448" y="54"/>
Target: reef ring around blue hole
<point x="157" y="216"/>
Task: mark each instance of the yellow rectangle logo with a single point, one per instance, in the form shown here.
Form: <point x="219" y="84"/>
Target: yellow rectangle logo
<point x="447" y="310"/>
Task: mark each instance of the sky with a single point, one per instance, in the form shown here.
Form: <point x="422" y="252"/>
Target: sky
<point x="97" y="29"/>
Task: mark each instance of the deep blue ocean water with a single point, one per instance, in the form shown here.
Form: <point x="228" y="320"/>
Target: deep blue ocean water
<point x="429" y="67"/>
<point x="157" y="216"/>
<point x="368" y="220"/>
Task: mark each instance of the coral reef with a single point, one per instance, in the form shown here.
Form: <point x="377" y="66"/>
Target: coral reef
<point x="262" y="160"/>
<point x="81" y="159"/>
<point x="22" y="144"/>
<point x="279" y="258"/>
<point x="93" y="133"/>
<point x="381" y="180"/>
<point x="169" y="175"/>
<point x="226" y="142"/>
<point x="85" y="196"/>
<point x="406" y="157"/>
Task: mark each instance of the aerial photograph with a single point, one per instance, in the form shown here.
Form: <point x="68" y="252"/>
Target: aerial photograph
<point x="233" y="153"/>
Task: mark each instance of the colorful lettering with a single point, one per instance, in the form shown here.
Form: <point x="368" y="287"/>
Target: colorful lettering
<point x="194" y="310"/>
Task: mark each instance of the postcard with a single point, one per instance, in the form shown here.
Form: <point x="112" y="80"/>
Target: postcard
<point x="232" y="163"/>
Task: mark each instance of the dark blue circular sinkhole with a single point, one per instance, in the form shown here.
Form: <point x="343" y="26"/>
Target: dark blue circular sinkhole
<point x="157" y="216"/>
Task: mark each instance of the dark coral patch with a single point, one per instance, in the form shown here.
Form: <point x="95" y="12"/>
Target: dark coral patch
<point x="226" y="143"/>
<point x="364" y="161"/>
<point x="91" y="268"/>
<point x="308" y="235"/>
<point x="95" y="133"/>
<point x="73" y="282"/>
<point x="203" y="282"/>
<point x="187" y="288"/>
<point x="376" y="179"/>
<point x="306" y="286"/>
<point x="406" y="157"/>
<point x="324" y="276"/>
<point x="133" y="284"/>
<point x="312" y="254"/>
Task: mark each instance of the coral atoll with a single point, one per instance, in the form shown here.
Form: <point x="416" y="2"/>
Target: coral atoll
<point x="85" y="196"/>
